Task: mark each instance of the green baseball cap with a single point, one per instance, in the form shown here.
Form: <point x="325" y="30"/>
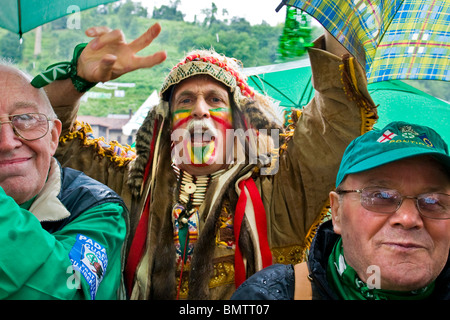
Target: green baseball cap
<point x="397" y="140"/>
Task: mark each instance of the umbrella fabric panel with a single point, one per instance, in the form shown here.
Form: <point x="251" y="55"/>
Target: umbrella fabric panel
<point x="291" y="87"/>
<point x="20" y="16"/>
<point x="401" y="39"/>
<point x="396" y="100"/>
<point x="341" y="19"/>
<point x="9" y="16"/>
<point x="417" y="39"/>
<point x="400" y="101"/>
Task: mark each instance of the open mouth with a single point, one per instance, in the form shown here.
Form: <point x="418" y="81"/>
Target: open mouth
<point x="202" y="138"/>
<point x="201" y="146"/>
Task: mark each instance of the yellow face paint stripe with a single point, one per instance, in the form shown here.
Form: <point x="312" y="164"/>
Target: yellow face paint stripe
<point x="180" y="117"/>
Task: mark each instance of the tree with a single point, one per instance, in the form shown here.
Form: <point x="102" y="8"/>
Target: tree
<point x="210" y="15"/>
<point x="169" y="12"/>
<point x="125" y="11"/>
<point x="11" y="48"/>
<point x="296" y="36"/>
<point x="240" y="25"/>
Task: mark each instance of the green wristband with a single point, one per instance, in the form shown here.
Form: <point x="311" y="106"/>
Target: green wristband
<point x="64" y="70"/>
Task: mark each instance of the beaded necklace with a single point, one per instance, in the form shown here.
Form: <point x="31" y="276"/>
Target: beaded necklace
<point x="192" y="191"/>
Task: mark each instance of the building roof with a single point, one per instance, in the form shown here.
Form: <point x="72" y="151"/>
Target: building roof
<point x="112" y="122"/>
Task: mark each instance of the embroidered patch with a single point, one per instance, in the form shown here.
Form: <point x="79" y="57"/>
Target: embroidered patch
<point x="408" y="132"/>
<point x="387" y="136"/>
<point x="89" y="258"/>
<point x="225" y="234"/>
<point x="426" y="140"/>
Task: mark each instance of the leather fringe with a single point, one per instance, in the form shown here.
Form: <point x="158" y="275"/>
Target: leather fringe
<point x="120" y="155"/>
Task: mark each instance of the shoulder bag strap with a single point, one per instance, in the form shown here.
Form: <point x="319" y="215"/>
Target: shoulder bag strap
<point x="303" y="289"/>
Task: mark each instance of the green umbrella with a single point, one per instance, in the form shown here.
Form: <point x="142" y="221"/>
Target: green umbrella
<point x="289" y="83"/>
<point x="400" y="101"/>
<point x="20" y="16"/>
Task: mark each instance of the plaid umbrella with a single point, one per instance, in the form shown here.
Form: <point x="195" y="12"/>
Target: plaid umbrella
<point x="401" y="39"/>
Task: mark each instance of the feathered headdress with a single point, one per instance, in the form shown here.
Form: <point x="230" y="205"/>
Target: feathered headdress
<point x="256" y="111"/>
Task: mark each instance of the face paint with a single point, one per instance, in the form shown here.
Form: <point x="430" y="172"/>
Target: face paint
<point x="200" y="141"/>
<point x="222" y="116"/>
<point x="180" y="117"/>
<point x="201" y="155"/>
<point x="200" y="145"/>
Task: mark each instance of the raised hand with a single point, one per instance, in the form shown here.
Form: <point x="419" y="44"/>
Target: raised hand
<point x="108" y="55"/>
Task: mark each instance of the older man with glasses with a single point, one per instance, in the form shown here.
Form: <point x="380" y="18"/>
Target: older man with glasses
<point x="61" y="232"/>
<point x="389" y="237"/>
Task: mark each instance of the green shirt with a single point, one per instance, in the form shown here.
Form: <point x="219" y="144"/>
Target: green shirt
<point x="35" y="264"/>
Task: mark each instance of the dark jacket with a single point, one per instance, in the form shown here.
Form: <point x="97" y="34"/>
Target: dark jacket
<point x="78" y="194"/>
<point x="277" y="282"/>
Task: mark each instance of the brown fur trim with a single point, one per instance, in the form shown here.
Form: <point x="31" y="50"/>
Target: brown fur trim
<point x="164" y="194"/>
<point x="143" y="139"/>
<point x="202" y="261"/>
<point x="257" y="116"/>
<point x="163" y="276"/>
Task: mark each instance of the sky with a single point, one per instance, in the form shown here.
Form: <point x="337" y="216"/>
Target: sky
<point x="254" y="11"/>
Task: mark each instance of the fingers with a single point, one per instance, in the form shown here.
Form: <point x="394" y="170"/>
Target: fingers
<point x="150" y="61"/>
<point x="97" y="31"/>
<point x="105" y="68"/>
<point x="145" y="39"/>
<point x="108" y="56"/>
<point x="104" y="36"/>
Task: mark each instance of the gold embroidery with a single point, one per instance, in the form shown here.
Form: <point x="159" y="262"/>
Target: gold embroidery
<point x="225" y="234"/>
<point x="288" y="255"/>
<point x="223" y="274"/>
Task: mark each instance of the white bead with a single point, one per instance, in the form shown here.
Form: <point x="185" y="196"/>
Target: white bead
<point x="190" y="188"/>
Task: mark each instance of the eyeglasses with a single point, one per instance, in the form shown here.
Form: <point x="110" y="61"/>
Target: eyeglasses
<point x="29" y="126"/>
<point x="383" y="200"/>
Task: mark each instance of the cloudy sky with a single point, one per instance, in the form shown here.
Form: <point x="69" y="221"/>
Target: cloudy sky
<point x="254" y="11"/>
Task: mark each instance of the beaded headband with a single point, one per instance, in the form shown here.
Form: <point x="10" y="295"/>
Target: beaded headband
<point x="207" y="62"/>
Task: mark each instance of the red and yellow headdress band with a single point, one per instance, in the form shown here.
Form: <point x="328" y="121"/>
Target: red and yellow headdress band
<point x="208" y="62"/>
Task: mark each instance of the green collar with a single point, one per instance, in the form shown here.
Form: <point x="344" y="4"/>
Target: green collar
<point x="26" y="205"/>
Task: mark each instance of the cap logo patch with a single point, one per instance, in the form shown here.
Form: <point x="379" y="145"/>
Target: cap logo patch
<point x="386" y="136"/>
<point x="426" y="140"/>
<point x="408" y="132"/>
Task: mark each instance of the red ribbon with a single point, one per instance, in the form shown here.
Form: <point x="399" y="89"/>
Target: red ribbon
<point x="140" y="236"/>
<point x="261" y="225"/>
